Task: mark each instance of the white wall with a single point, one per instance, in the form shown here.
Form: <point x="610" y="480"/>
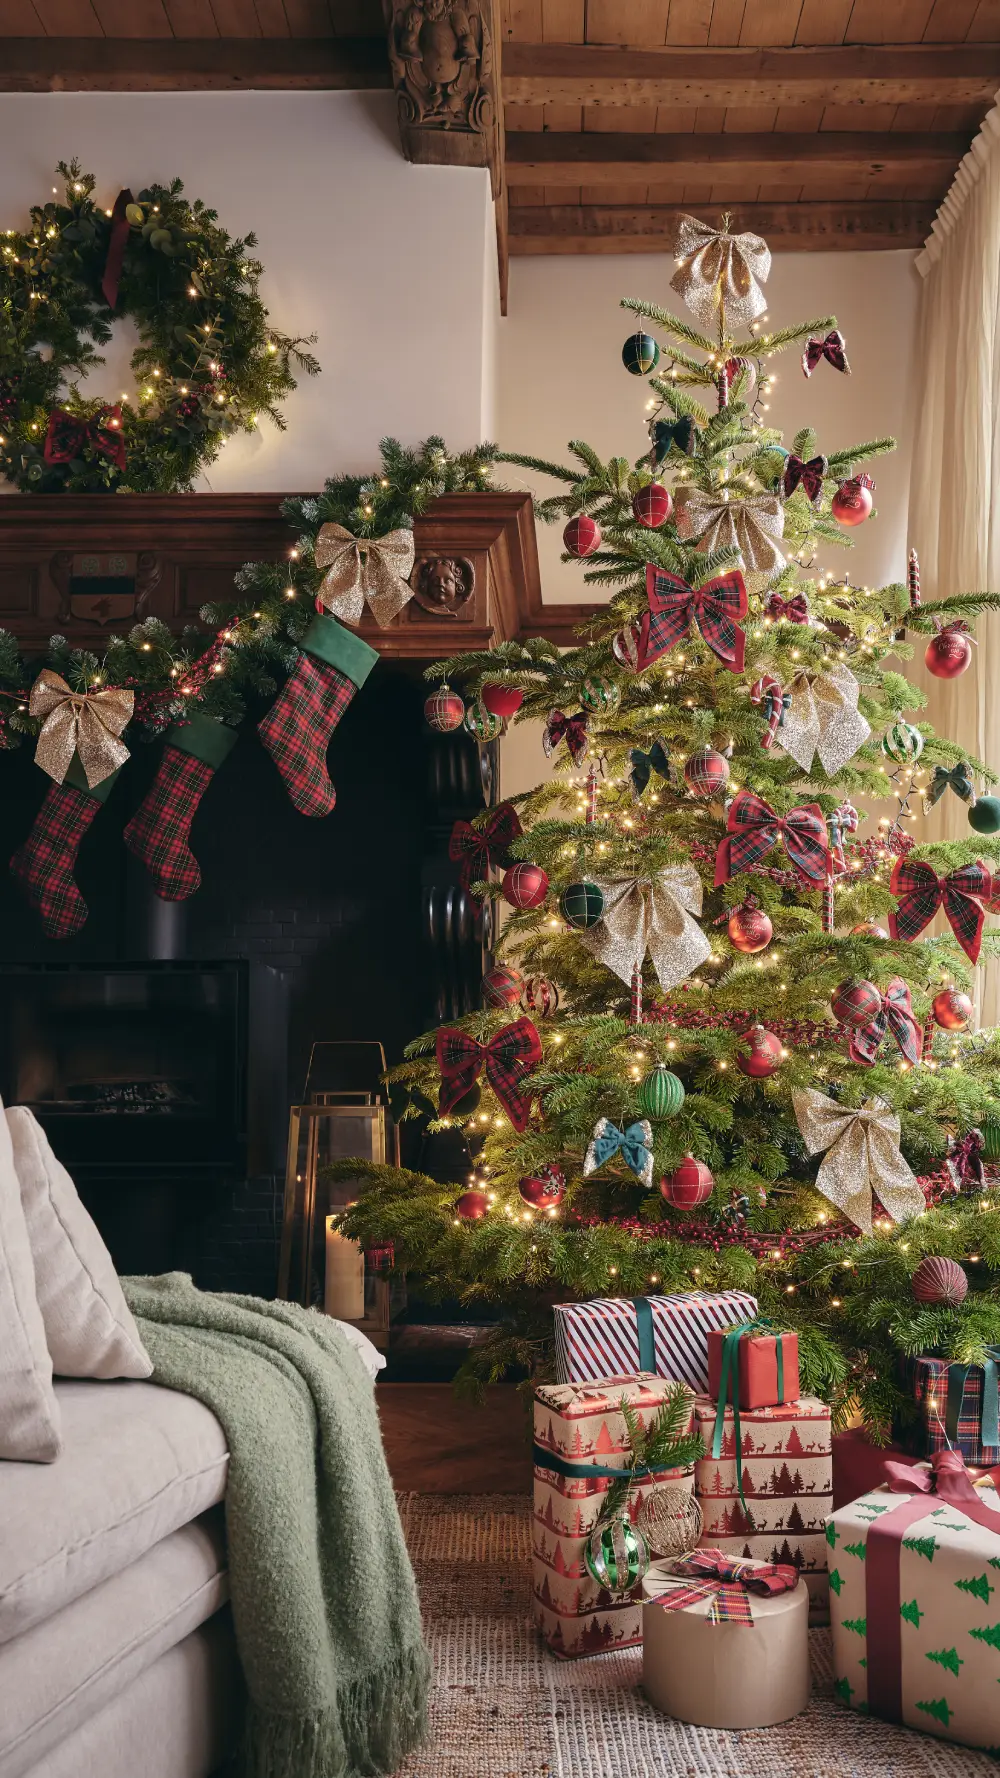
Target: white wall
<point x="393" y="266"/>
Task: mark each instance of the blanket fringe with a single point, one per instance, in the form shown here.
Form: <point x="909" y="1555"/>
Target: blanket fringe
<point x="377" y="1721"/>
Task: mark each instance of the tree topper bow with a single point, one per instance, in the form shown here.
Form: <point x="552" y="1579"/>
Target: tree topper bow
<point x="719" y="270"/>
<point x="360" y="568"/>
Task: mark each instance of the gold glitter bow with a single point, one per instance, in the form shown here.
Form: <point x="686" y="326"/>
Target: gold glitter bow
<point x="862" y="1157"/>
<point x="360" y="568"/>
<point x="654" y="914"/>
<point x="747" y="522"/>
<point x="88" y="723"/>
<point x="718" y="268"/>
<point x="823" y="718"/>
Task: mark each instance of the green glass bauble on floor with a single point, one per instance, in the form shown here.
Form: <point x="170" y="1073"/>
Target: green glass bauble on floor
<point x="660" y="1093"/>
<point x="581" y="904"/>
<point x="984" y="816"/>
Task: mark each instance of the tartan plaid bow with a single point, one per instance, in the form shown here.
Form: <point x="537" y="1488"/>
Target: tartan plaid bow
<point x="956" y="778"/>
<point x="808" y="475"/>
<point x="674" y="607"/>
<point x="753" y="828"/>
<point x="726" y="1580"/>
<point x="922" y="892"/>
<point x="788" y="611"/>
<point x="508" y="1057"/>
<point x="895" y="1015"/>
<point x="68" y="436"/>
<point x="571" y="729"/>
<point x="645" y="764"/>
<point x="665" y="433"/>
<point x="832" y="349"/>
<point x="475" y="849"/>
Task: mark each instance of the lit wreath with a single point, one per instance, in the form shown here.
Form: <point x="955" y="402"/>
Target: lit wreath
<point x="208" y="363"/>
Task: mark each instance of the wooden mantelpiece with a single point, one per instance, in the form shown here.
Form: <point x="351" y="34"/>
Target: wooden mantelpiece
<point x="476" y="575"/>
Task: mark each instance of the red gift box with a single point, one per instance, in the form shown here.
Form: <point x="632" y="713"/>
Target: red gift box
<point x="757" y="1372"/>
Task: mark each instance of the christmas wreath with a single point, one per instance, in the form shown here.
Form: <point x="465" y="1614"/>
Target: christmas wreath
<point x="208" y="363"/>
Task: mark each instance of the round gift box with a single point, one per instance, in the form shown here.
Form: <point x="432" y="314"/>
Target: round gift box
<point x="726" y="1675"/>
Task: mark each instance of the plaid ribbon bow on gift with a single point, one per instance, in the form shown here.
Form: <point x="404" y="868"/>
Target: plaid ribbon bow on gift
<point x="726" y="1580"/>
<point x="960" y="894"/>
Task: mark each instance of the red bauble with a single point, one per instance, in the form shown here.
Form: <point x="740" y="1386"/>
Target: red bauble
<point x="688" y="1185"/>
<point x="749" y="929"/>
<point x="502" y="985"/>
<point x="445" y="710"/>
<point x="760" y="1053"/>
<point x="869" y="929"/>
<point x="502" y="700"/>
<point x="706" y="772"/>
<point x="652" y="505"/>
<point x="472" y="1206"/>
<point x="525" y="886"/>
<point x="582" y="536"/>
<point x="939" y="1282"/>
<point x="948" y="653"/>
<point x="856" y="1002"/>
<point x="852" y="502"/>
<point x="543" y="1190"/>
<point x="952" y="1010"/>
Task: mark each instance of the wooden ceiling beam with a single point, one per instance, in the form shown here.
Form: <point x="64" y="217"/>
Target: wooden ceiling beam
<point x="818" y="226"/>
<point x="855" y="74"/>
<point x="552" y="158"/>
<point x="170" y="64"/>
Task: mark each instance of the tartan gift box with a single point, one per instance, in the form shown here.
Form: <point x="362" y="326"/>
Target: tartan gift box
<point x="766" y="1365"/>
<point x="668" y="1335"/>
<point x="958" y="1408"/>
<point x="580" y="1447"/>
<point x="784" y="1464"/>
<point x="914" y="1605"/>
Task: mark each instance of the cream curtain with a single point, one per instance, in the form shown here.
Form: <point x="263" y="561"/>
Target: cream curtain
<point x="954" y="516"/>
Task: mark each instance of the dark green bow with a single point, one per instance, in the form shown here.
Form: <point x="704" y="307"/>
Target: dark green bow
<point x="955" y="778"/>
<point x="681" y="433"/>
<point x="644" y="764"/>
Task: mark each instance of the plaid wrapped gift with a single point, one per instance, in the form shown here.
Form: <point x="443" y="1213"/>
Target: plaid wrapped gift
<point x="617" y="1336"/>
<point x="958" y="1408"/>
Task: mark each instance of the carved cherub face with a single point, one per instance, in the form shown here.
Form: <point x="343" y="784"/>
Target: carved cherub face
<point x="443" y="581"/>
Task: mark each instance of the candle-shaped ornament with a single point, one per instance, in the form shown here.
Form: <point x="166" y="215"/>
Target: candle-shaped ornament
<point x="344" y="1288"/>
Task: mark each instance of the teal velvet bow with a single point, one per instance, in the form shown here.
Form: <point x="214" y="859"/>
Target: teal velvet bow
<point x="635" y="1145"/>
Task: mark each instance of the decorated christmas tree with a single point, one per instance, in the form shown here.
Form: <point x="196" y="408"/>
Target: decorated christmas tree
<point x="727" y="1038"/>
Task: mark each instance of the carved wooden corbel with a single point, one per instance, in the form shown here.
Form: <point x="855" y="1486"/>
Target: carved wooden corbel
<point x="444" y="56"/>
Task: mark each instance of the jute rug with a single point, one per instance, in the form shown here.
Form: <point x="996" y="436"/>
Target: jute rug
<point x="504" y="1708"/>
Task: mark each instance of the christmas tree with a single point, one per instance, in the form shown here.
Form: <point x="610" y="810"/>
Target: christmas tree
<point x="721" y="939"/>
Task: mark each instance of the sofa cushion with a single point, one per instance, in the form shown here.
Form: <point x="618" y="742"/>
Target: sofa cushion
<point x="29" y="1417"/>
<point x="89" y="1327"/>
<point x="138" y="1461"/>
<point x="58" y="1675"/>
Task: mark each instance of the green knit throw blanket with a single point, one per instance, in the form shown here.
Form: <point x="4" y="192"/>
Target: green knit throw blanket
<point x="323" y="1597"/>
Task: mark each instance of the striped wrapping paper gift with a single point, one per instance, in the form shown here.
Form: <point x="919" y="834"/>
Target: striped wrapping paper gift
<point x="668" y="1335"/>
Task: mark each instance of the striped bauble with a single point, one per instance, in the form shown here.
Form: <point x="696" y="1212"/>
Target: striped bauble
<point x="502" y="985"/>
<point x="525" y="886"/>
<point x="660" y="1093"/>
<point x="617" y="1556"/>
<point x="856" y="1002"/>
<point x="706" y="772"/>
<point x="600" y="696"/>
<point x="581" y="904"/>
<point x="539" y="997"/>
<point x="482" y="723"/>
<point x="990" y="1126"/>
<point x="688" y="1185"/>
<point x="902" y="743"/>
<point x="445" y="710"/>
<point x="939" y="1282"/>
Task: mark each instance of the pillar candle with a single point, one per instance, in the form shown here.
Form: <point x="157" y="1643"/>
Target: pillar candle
<point x="344" y="1292"/>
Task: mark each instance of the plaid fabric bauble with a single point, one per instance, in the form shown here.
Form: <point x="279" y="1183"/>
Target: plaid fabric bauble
<point x="158" y="831"/>
<point x="922" y="892"/>
<point x="927" y="1380"/>
<point x="581" y="904"/>
<point x="674" y="607"/>
<point x="856" y="1002"/>
<point x="43" y="866"/>
<point x="706" y="771"/>
<point x="296" y="731"/>
<point x="753" y="828"/>
<point x="508" y="1058"/>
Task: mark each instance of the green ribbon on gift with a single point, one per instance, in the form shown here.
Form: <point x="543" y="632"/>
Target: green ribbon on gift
<point x="580" y="1472"/>
<point x="644" y="1328"/>
<point x="989" y="1419"/>
<point x="729" y="1391"/>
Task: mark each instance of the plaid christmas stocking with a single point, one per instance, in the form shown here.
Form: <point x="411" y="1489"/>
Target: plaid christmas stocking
<point x="43" y="866"/>
<point x="159" y="831"/>
<point x="296" y="731"/>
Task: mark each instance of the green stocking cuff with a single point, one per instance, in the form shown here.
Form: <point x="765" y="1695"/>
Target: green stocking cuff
<point x="77" y="777"/>
<point x="330" y="642"/>
<point x="206" y="739"/>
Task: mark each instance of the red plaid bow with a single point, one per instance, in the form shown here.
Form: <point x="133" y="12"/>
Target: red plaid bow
<point x="895" y="1015"/>
<point x="69" y="435"/>
<point x="921" y="892"/>
<point x="832" y="349"/>
<point x="508" y="1057"/>
<point x="789" y="611"/>
<point x="809" y="475"/>
<point x="674" y="607"/>
<point x="753" y="828"/>
<point x="477" y="848"/>
<point x="571" y="729"/>
<point x="726" y="1580"/>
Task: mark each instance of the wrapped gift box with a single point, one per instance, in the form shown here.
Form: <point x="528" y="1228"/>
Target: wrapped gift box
<point x="787" y="1462"/>
<point x="914" y="1611"/>
<point x="957" y="1406"/>
<point x="761" y="1381"/>
<point x="579" y="1429"/>
<point x="725" y="1675"/>
<point x="668" y="1335"/>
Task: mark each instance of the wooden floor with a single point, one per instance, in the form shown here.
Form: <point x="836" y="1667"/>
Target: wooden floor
<point x="438" y="1444"/>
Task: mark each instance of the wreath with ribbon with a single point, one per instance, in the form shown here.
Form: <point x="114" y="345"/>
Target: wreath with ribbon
<point x="208" y="364"/>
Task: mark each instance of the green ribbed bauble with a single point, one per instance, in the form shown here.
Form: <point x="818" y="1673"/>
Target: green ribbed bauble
<point x="660" y="1093"/>
<point x="617" y="1555"/>
<point x="990" y="1127"/>
<point x="640" y="354"/>
<point x="581" y="904"/>
<point x="600" y="696"/>
<point x="902" y="743"/>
